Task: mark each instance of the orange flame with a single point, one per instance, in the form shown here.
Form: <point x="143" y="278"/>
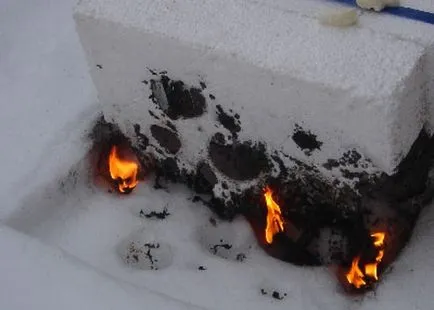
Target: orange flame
<point x="378" y="239"/>
<point x="371" y="270"/>
<point x="274" y="216"/>
<point x="124" y="171"/>
<point x="380" y="256"/>
<point x="355" y="276"/>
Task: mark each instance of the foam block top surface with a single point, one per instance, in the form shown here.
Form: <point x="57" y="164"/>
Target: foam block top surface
<point x="283" y="39"/>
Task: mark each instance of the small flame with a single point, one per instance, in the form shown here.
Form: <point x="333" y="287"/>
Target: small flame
<point x="380" y="256"/>
<point x="371" y="270"/>
<point x="274" y="216"/>
<point x="124" y="171"/>
<point x="355" y="276"/>
<point x="378" y="239"/>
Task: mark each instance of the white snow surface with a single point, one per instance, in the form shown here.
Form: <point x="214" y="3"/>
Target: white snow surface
<point x="61" y="249"/>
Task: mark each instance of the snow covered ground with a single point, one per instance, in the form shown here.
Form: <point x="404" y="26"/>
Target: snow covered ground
<point x="62" y="249"/>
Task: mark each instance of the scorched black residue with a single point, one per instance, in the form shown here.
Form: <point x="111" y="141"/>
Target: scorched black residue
<point x="182" y="101"/>
<point x="350" y="158"/>
<point x="205" y="179"/>
<point x="306" y="140"/>
<point x="166" y="138"/>
<point x="331" y="163"/>
<point x="239" y="161"/>
<point x="228" y="121"/>
<point x="143" y="141"/>
<point x="154" y="214"/>
<point x="214" y="249"/>
<point x="241" y="257"/>
<point x="275" y="294"/>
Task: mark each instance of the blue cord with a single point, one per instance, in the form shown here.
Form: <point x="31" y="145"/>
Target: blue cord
<point x="422" y="16"/>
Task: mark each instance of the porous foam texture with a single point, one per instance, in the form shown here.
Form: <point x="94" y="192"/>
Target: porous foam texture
<point x="275" y="65"/>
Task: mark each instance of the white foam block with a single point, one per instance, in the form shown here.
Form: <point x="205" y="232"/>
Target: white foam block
<point x="417" y="32"/>
<point x="396" y="27"/>
<point x="275" y="66"/>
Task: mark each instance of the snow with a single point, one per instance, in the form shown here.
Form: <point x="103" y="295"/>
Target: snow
<point x="184" y="237"/>
<point x="45" y="90"/>
<point x="48" y="101"/>
<point x="60" y="249"/>
<point x="37" y="276"/>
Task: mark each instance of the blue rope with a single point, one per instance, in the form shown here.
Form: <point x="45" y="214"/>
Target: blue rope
<point x="422" y="16"/>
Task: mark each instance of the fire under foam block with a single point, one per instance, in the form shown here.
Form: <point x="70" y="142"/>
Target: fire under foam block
<point x="311" y="92"/>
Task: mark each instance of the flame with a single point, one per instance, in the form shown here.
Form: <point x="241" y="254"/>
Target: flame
<point x="378" y="239"/>
<point x="123" y="171"/>
<point x="355" y="276"/>
<point x="274" y="216"/>
<point x="380" y="256"/>
<point x="371" y="270"/>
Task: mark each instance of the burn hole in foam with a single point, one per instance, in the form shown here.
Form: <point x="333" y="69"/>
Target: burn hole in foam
<point x="177" y="99"/>
<point x="238" y="161"/>
<point x="116" y="164"/>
